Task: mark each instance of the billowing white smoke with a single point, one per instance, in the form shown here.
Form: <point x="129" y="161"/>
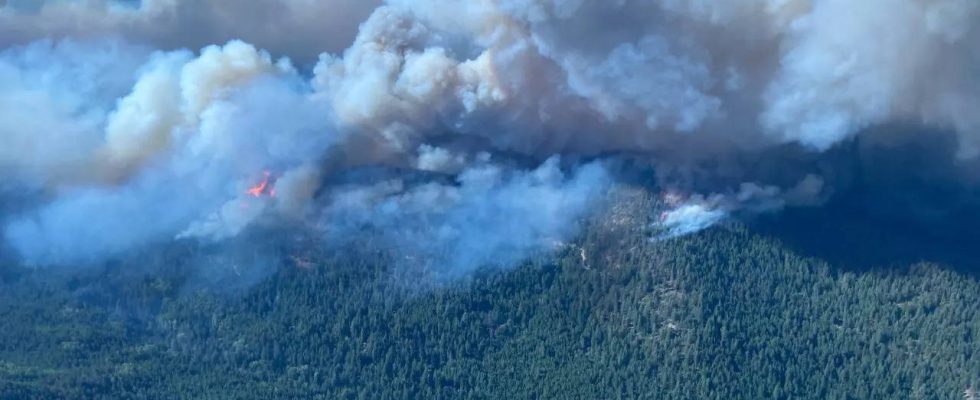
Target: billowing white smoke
<point x="300" y="29"/>
<point x="684" y="216"/>
<point x="848" y="65"/>
<point x="131" y="145"/>
<point x="491" y="216"/>
<point x="541" y="76"/>
<point x="689" y="218"/>
<point x="172" y="155"/>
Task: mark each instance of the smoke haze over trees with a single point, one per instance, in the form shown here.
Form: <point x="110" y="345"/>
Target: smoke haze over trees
<point x="489" y="199"/>
<point x="131" y="124"/>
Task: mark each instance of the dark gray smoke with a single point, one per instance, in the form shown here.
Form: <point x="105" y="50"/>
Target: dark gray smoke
<point x="121" y="139"/>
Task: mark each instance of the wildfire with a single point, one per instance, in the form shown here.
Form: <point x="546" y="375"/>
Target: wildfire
<point x="263" y="188"/>
<point x="673" y="198"/>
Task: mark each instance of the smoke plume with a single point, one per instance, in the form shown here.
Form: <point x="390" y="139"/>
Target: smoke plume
<point x="300" y="29"/>
<point x="457" y="133"/>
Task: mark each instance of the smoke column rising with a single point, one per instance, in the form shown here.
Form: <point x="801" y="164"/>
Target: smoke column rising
<point x="122" y="138"/>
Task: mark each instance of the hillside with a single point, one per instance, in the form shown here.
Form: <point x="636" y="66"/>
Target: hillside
<point x="732" y="312"/>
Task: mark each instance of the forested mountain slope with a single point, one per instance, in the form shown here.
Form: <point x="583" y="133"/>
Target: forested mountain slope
<point x="732" y="312"/>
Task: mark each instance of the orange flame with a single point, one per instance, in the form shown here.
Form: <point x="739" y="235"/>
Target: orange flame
<point x="262" y="188"/>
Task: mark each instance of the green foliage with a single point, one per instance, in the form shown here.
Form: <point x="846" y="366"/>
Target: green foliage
<point x="719" y="315"/>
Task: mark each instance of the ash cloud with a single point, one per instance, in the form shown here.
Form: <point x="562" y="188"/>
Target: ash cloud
<point x="133" y="124"/>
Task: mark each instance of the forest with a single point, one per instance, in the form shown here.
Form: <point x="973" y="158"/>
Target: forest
<point x="744" y="310"/>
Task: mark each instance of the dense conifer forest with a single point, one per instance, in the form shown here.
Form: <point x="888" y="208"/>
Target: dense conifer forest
<point x="740" y="311"/>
